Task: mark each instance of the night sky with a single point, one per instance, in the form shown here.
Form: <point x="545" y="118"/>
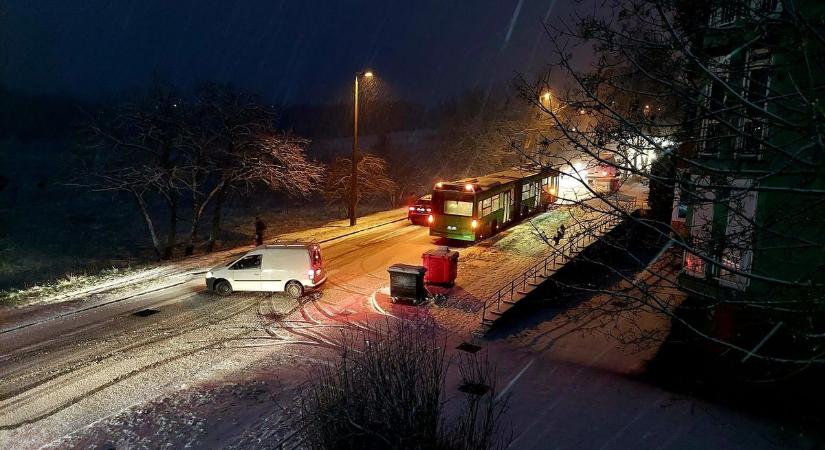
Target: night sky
<point x="289" y="51"/>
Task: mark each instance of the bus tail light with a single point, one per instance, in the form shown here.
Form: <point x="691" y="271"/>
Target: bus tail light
<point x="474" y="224"/>
<point x="430" y="218"/>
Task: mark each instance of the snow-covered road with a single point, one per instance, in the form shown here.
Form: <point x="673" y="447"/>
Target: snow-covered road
<point x="105" y="376"/>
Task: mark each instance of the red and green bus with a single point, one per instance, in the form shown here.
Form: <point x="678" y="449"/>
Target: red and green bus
<point x="474" y="208"/>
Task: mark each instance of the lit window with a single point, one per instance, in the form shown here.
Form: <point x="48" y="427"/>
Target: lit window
<point x="737" y="253"/>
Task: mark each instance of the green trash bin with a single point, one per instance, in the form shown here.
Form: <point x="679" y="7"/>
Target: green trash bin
<point x="407" y="283"/>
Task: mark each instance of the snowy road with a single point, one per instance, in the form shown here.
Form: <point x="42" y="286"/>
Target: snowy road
<point x="106" y="376"/>
<point x="62" y="374"/>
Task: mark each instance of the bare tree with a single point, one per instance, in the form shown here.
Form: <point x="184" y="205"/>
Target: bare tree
<point x="233" y="148"/>
<point x="475" y="134"/>
<point x="373" y="181"/>
<point x="136" y="149"/>
<point x="726" y="98"/>
<point x="193" y="154"/>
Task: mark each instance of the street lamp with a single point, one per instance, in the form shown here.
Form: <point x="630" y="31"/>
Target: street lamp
<point x="545" y="98"/>
<point x="354" y="175"/>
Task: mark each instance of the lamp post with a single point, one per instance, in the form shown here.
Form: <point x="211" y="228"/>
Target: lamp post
<point x="354" y="175"/>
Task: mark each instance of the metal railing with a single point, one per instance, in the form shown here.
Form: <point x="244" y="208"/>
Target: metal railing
<point x="584" y="236"/>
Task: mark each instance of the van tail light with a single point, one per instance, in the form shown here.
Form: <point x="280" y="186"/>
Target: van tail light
<point x="474" y="224"/>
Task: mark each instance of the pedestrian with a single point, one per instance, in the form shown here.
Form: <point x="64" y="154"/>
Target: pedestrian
<point x="260" y="227"/>
<point x="561" y="230"/>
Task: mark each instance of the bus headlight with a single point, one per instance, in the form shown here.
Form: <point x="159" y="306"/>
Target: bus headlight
<point x="474" y="224"/>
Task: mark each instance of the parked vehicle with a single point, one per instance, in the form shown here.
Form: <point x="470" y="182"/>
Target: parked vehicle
<point x="420" y="210"/>
<point x="294" y="268"/>
<point x="603" y="178"/>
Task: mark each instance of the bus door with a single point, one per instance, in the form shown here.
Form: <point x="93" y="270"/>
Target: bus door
<point x="507" y="199"/>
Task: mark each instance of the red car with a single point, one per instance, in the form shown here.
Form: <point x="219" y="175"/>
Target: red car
<point x="420" y="210"/>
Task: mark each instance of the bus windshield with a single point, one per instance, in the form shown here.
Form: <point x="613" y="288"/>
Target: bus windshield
<point x="458" y="208"/>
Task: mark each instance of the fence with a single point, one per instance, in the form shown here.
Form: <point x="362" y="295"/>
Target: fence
<point x="584" y="236"/>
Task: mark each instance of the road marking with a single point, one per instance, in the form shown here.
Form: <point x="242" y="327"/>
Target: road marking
<point x="374" y="304"/>
<point x="515" y="378"/>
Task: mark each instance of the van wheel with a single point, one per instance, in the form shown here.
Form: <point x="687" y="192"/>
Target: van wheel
<point x="294" y="289"/>
<point x="223" y="288"/>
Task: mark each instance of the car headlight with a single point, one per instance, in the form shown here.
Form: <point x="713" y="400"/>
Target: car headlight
<point x="209" y="274"/>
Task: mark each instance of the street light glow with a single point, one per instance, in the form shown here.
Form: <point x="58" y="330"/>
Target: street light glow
<point x="368" y="74"/>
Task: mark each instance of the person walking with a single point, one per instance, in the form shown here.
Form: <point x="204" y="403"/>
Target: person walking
<point x="260" y="227"/>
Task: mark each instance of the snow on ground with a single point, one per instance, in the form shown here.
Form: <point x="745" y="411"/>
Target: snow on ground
<point x="90" y="291"/>
<point x="236" y="382"/>
<point x="485" y="268"/>
<point x="624" y="333"/>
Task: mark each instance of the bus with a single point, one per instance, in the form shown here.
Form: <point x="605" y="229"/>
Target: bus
<point x="475" y="208"/>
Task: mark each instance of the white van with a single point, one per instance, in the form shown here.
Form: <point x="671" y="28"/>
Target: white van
<point x="292" y="268"/>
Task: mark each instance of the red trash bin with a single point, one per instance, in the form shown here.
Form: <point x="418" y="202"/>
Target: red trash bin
<point x="442" y="266"/>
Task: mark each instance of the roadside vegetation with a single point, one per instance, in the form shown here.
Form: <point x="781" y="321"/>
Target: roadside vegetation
<point x="389" y="389"/>
<point x="71" y="285"/>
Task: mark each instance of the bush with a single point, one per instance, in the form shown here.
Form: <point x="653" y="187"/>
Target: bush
<point x="387" y="390"/>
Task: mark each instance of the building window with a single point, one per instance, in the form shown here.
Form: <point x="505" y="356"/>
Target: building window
<point x="766" y="6"/>
<point x="727" y="73"/>
<point x="752" y="140"/>
<point x="737" y="253"/>
<point x="757" y="93"/>
<point x="699" y="228"/>
<point x="724" y="14"/>
<point x="717" y="137"/>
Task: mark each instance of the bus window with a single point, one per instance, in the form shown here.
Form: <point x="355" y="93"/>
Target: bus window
<point x="485" y="206"/>
<point x="458" y="208"/>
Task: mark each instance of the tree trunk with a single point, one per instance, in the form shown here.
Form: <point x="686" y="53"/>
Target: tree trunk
<point x="171" y="238"/>
<point x="216" y="221"/>
<point x="193" y="236"/>
<point x="151" y="226"/>
<point x="197" y="208"/>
